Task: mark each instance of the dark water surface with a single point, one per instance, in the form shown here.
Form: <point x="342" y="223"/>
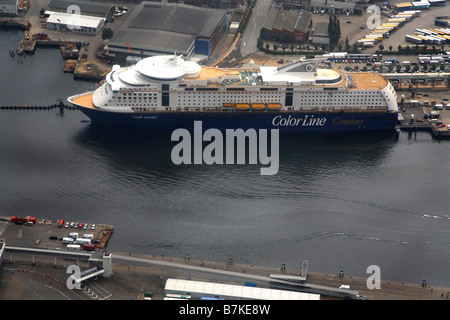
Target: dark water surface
<point x="342" y="202"/>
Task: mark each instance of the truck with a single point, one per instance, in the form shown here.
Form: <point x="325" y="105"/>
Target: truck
<point x="26" y="219"/>
<point x="89" y="247"/>
<point x="393" y="61"/>
<point x="61" y="223"/>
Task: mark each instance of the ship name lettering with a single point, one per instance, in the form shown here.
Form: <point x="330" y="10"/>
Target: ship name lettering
<point x="350" y="122"/>
<point x="308" y="120"/>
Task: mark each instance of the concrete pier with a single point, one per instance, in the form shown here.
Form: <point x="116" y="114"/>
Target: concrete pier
<point x="150" y="272"/>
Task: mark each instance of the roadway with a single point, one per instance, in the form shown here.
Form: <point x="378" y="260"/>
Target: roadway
<point x="254" y="26"/>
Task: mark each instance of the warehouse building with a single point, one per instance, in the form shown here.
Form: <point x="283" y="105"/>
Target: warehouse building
<point x="338" y="7"/>
<point x="320" y="34"/>
<point x="87" y="8"/>
<point x="9" y="7"/>
<point x="287" y="25"/>
<point x="154" y="29"/>
<point x="76" y="23"/>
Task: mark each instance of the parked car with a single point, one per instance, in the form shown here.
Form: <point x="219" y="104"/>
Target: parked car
<point x="53" y="238"/>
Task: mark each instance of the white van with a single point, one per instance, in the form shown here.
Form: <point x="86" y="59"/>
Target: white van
<point x="67" y="240"/>
<point x="88" y="236"/>
<point x="73" y="235"/>
<point x="82" y="241"/>
<point x="74" y="247"/>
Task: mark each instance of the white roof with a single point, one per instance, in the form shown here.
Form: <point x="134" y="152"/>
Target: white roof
<point x="200" y="288"/>
<point x="74" y="19"/>
<point x="167" y="67"/>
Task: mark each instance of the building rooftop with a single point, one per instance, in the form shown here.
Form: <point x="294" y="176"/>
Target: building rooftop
<point x="86" y="7"/>
<point x="321" y="29"/>
<point x="79" y="20"/>
<point x="152" y="40"/>
<point x="176" y="18"/>
<point x="289" y="20"/>
<point x="303" y="20"/>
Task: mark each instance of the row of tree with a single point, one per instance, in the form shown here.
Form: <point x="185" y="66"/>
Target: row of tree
<point x="334" y="30"/>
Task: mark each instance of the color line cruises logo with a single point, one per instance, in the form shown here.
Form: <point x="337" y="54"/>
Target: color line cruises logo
<point x="191" y="150"/>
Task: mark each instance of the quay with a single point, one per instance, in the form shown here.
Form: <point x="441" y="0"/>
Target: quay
<point x="31" y="263"/>
<point x="428" y="110"/>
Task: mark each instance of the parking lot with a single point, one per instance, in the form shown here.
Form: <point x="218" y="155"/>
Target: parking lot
<point x="49" y="234"/>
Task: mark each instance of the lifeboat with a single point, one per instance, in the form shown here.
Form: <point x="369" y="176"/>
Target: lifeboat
<point x="242" y="106"/>
<point x="274" y="106"/>
<point x="258" y="105"/>
<point x="229" y="105"/>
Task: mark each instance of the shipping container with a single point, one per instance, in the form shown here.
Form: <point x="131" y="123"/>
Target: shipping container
<point x="89" y="247"/>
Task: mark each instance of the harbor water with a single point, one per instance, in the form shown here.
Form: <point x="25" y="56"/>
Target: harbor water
<point x="341" y="202"/>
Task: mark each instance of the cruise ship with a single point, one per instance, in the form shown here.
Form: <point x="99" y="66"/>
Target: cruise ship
<point x="167" y="92"/>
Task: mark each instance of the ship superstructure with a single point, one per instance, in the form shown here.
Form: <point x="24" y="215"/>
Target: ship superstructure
<point x="161" y="88"/>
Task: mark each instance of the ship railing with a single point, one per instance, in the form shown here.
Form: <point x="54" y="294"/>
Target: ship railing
<point x="79" y="95"/>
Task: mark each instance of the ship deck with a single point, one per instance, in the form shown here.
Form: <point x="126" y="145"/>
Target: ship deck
<point x="360" y="80"/>
<point x="85" y="101"/>
<point x="368" y="80"/>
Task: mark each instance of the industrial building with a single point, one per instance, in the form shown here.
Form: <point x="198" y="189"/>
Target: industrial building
<point x="158" y="28"/>
<point x="287" y="25"/>
<point x="295" y="4"/>
<point x="203" y="289"/>
<point x="334" y="6"/>
<point x="87" y="8"/>
<point x="9" y="7"/>
<point x="76" y="23"/>
<point x="320" y="34"/>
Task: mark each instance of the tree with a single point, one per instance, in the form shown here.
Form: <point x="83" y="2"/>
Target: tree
<point x="334" y="30"/>
<point x="390" y="48"/>
<point x="267" y="46"/>
<point x="107" y="33"/>
<point x="347" y="45"/>
<point x="381" y="47"/>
